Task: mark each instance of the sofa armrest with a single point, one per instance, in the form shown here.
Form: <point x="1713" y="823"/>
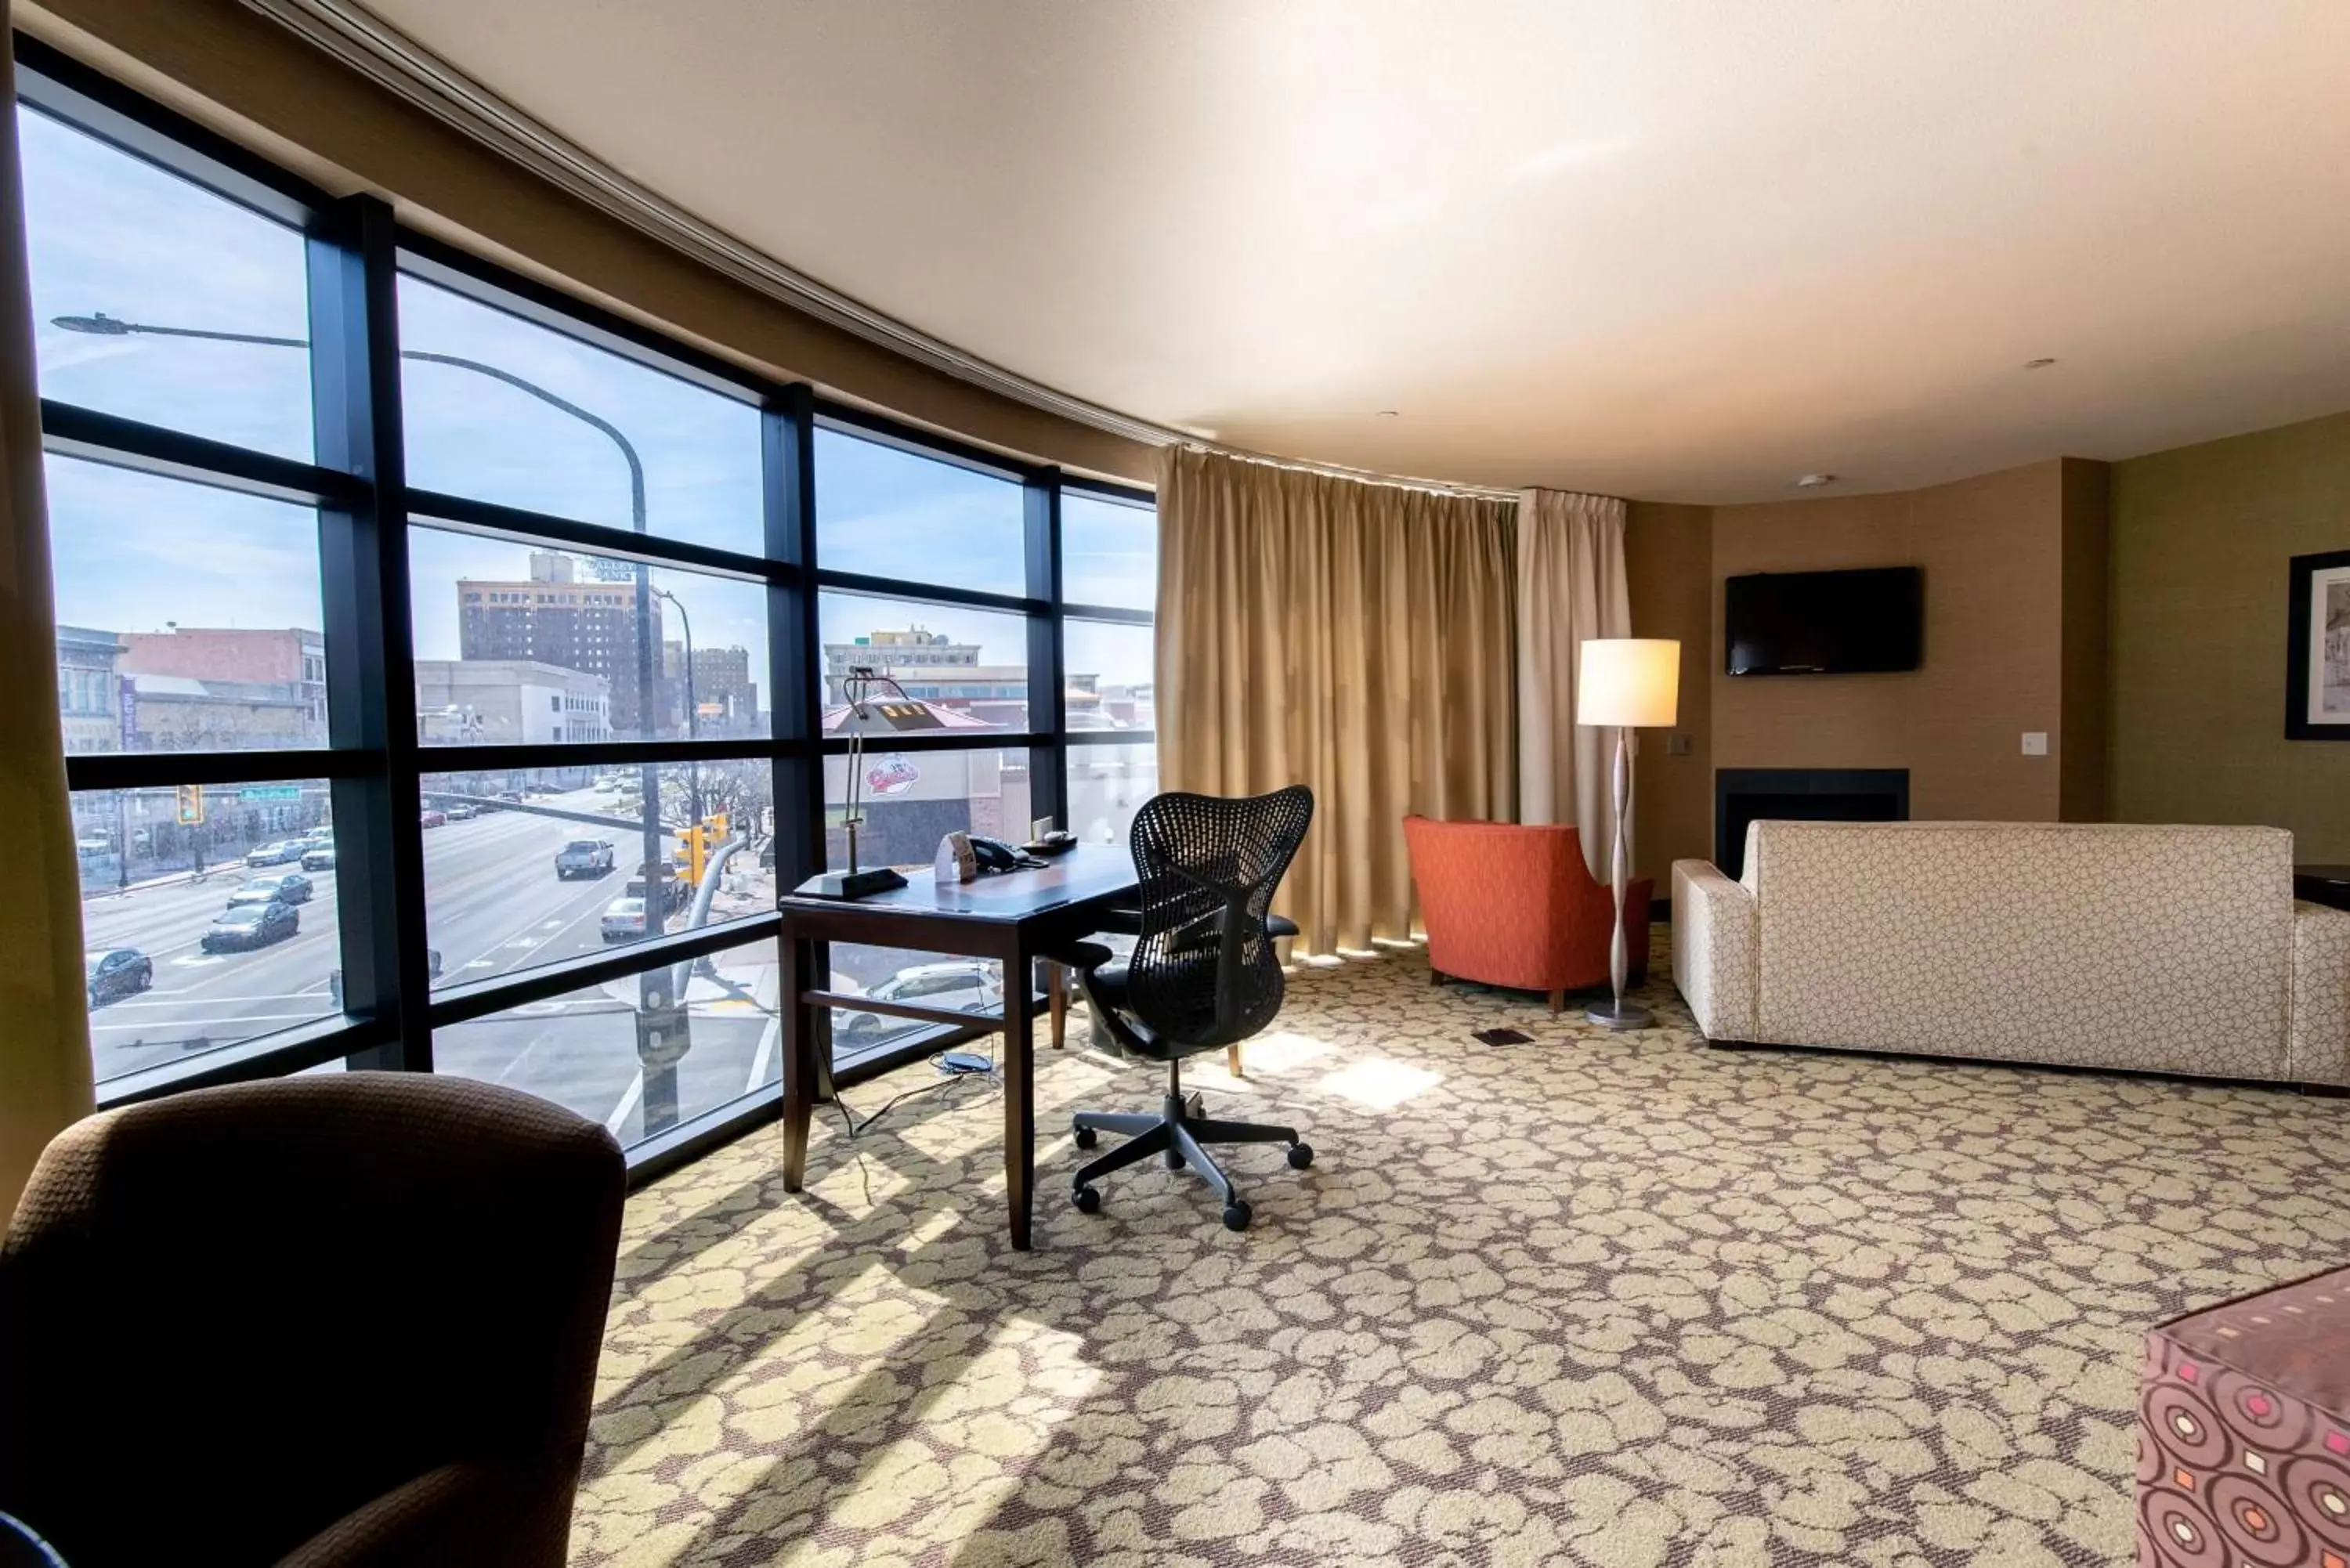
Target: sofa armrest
<point x="1713" y="930"/>
<point x="2319" y="1052"/>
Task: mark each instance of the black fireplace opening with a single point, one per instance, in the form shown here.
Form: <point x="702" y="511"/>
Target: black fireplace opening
<point x="1742" y="795"/>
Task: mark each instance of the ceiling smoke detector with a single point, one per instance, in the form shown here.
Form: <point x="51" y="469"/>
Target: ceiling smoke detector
<point x="1814" y="481"/>
<point x="2038" y="364"/>
<point x="1390" y="413"/>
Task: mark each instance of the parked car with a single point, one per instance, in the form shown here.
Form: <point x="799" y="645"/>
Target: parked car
<point x="583" y="858"/>
<point x="462" y="811"/>
<point x="322" y="834"/>
<point x="243" y="926"/>
<point x="624" y="919"/>
<point x="118" y="971"/>
<point x="283" y="853"/>
<point x="963" y="985"/>
<point x="435" y="819"/>
<point x="321" y="858"/>
<point x="290" y="886"/>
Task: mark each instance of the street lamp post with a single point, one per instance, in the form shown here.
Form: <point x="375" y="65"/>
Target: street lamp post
<point x="692" y="706"/>
<point x="655" y="998"/>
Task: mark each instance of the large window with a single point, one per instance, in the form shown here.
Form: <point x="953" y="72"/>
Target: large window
<point x="468" y="712"/>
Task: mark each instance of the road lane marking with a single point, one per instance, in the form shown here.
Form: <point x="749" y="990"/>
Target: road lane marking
<point x="764" y="1054"/>
<point x="620" y="1116"/>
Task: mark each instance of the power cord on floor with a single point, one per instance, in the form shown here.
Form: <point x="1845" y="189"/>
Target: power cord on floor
<point x="856" y="1128"/>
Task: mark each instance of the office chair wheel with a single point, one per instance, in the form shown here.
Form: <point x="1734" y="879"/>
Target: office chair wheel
<point x="1301" y="1155"/>
<point x="1087" y="1199"/>
<point x="1237" y="1214"/>
<point x="1174" y="1158"/>
<point x="1088" y="1138"/>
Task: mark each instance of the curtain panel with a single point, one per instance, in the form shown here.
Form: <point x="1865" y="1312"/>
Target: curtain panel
<point x="1570" y="587"/>
<point x="1356" y="637"/>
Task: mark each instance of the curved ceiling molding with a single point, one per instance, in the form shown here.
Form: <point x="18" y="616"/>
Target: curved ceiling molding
<point x="350" y="34"/>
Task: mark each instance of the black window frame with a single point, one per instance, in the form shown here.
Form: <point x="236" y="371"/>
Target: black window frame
<point x="373" y="759"/>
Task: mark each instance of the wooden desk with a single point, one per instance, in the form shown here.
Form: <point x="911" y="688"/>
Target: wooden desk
<point x="1008" y="918"/>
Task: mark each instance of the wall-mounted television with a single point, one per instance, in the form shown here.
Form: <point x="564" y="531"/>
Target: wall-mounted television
<point x="1824" y="623"/>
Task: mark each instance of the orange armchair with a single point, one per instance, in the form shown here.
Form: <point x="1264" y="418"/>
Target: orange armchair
<point x="1514" y="906"/>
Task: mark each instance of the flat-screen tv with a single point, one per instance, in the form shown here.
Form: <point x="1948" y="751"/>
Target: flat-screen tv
<point x="1824" y="623"/>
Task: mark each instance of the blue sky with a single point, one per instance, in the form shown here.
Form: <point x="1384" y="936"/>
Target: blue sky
<point x="109" y="233"/>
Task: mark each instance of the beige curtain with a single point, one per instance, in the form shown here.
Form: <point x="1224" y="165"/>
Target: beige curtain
<point x="1349" y="636"/>
<point x="1570" y="587"/>
<point x="45" y="1077"/>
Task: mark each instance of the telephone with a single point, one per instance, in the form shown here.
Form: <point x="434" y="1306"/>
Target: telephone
<point x="995" y="855"/>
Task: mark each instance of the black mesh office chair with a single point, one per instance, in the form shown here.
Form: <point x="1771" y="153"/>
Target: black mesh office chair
<point x="1203" y="973"/>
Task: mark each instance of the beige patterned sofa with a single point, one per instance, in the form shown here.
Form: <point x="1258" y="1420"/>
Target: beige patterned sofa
<point x="2166" y="949"/>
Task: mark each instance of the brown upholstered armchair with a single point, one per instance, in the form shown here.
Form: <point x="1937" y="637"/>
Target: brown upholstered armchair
<point x="333" y="1321"/>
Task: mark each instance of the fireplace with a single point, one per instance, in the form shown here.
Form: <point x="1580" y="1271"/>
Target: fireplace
<point x="1742" y="795"/>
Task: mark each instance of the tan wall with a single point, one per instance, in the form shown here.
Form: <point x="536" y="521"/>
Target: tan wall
<point x="2088" y="557"/>
<point x="1993" y="551"/>
<point x="223" y="64"/>
<point x="2201" y="538"/>
<point x="1667" y="560"/>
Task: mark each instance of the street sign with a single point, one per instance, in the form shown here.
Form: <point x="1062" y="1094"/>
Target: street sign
<point x="191" y="806"/>
<point x="268" y="792"/>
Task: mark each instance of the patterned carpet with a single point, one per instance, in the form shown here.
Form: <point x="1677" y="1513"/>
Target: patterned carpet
<point x="1612" y="1301"/>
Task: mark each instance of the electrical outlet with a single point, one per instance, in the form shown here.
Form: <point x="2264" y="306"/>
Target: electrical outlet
<point x="2035" y="742"/>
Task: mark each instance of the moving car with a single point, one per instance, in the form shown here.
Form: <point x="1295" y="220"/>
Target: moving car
<point x="963" y="985"/>
<point x="118" y="971"/>
<point x="435" y="819"/>
<point x="624" y="919"/>
<point x="291" y="886"/>
<point x="243" y="926"/>
<point x="583" y="858"/>
<point x="680" y="890"/>
<point x="284" y="852"/>
<point x="461" y="812"/>
<point x="321" y="858"/>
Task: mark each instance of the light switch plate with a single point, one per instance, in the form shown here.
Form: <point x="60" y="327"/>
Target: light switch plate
<point x="2035" y="742"/>
<point x="1677" y="744"/>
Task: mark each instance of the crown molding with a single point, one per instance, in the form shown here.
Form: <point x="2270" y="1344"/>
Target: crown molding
<point x="351" y="35"/>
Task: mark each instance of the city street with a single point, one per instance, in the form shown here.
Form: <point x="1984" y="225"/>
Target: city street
<point x="493" y="905"/>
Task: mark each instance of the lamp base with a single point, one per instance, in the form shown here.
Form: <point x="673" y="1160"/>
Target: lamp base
<point x="851" y="884"/>
<point x="1629" y="1015"/>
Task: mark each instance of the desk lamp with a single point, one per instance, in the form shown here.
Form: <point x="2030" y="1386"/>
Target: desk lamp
<point x="863" y="714"/>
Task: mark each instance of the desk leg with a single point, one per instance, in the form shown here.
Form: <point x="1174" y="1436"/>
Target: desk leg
<point x="1056" y="993"/>
<point x="1019" y="1093"/>
<point x="800" y="1066"/>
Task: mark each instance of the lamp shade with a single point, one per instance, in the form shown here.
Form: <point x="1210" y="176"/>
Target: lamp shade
<point x="1631" y="681"/>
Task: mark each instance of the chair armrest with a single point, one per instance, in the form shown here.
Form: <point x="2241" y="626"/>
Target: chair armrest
<point x="467" y="1515"/>
<point x="2319" y="1052"/>
<point x="1083" y="957"/>
<point x="1280" y="926"/>
<point x="1714" y="948"/>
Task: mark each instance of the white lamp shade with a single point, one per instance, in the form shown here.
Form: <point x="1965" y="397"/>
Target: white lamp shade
<point x="1631" y="681"/>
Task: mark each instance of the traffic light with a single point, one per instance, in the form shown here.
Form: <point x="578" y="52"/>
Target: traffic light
<point x="191" y="806"/>
<point x="697" y="849"/>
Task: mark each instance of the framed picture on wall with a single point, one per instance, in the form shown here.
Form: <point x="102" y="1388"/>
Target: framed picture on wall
<point x="2317" y="650"/>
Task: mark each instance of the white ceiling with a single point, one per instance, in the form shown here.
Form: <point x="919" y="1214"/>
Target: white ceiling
<point x="1672" y="249"/>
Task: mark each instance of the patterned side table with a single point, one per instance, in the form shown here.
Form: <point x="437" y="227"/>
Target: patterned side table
<point x="2243" y="1433"/>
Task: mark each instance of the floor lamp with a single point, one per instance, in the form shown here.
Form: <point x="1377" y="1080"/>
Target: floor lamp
<point x="1629" y="683"/>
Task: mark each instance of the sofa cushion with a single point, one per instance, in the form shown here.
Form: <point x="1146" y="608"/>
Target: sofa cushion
<point x="2156" y="949"/>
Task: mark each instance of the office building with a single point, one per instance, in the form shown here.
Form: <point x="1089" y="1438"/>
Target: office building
<point x="509" y="701"/>
<point x="1621" y="833"/>
<point x="562" y="616"/>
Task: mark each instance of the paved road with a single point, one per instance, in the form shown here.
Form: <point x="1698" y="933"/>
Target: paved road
<point x="492" y="905"/>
